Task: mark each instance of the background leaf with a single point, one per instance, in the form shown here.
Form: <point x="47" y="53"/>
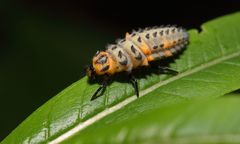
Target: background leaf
<point x="210" y="68"/>
<point x="215" y="121"/>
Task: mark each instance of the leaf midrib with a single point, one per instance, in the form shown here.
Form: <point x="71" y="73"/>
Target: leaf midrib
<point x="120" y="105"/>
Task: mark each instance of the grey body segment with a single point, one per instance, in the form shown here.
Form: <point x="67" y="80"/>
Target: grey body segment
<point x="135" y="54"/>
<point x="121" y="56"/>
<point x="161" y="42"/>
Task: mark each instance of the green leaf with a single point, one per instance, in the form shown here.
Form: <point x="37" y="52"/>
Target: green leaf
<point x="209" y="68"/>
<point x="211" y="122"/>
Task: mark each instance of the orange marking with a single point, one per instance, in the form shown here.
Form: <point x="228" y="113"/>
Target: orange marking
<point x="145" y="62"/>
<point x="144" y="48"/>
<point x="150" y="58"/>
<point x="167" y="53"/>
<point x="112" y="66"/>
<point x="98" y="68"/>
<point x="167" y="44"/>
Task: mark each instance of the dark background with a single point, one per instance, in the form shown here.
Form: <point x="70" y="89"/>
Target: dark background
<point x="44" y="45"/>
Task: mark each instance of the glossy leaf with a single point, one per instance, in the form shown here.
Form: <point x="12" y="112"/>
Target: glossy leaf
<point x="209" y="68"/>
<point x="215" y="121"/>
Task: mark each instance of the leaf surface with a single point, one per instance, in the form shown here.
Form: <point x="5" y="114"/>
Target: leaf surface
<point x="209" y="68"/>
<point x="199" y="122"/>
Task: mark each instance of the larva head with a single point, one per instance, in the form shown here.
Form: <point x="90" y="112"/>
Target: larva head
<point x="102" y="63"/>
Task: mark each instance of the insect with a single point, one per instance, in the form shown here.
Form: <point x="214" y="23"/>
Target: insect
<point x="137" y="49"/>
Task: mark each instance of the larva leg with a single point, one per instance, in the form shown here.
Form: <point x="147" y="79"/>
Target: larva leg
<point x="134" y="82"/>
<point x="167" y="70"/>
<point x="101" y="87"/>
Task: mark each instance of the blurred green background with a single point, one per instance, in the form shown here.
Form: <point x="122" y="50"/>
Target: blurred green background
<point x="46" y="44"/>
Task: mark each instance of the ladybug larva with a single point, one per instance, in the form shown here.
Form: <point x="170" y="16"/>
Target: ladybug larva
<point x="137" y="49"/>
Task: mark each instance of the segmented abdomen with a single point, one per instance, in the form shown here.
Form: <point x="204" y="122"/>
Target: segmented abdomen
<point x="139" y="48"/>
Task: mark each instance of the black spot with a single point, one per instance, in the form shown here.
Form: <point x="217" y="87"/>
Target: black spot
<point x="174" y="42"/>
<point x="123" y="62"/>
<point x="139" y="57"/>
<point x="120" y="54"/>
<point x="114" y="47"/>
<point x="133" y="34"/>
<point x="147" y="36"/>
<point x="155" y="47"/>
<point x="161" y="33"/>
<point x="179" y="40"/>
<point x="133" y="49"/>
<point x="167" y="31"/>
<point x="154" y="34"/>
<point x="173" y="30"/>
<point x="161" y="45"/>
<point x="105" y="68"/>
<point x="139" y="39"/>
<point x="102" y="59"/>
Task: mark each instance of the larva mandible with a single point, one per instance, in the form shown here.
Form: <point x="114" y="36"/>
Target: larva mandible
<point x="137" y="49"/>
